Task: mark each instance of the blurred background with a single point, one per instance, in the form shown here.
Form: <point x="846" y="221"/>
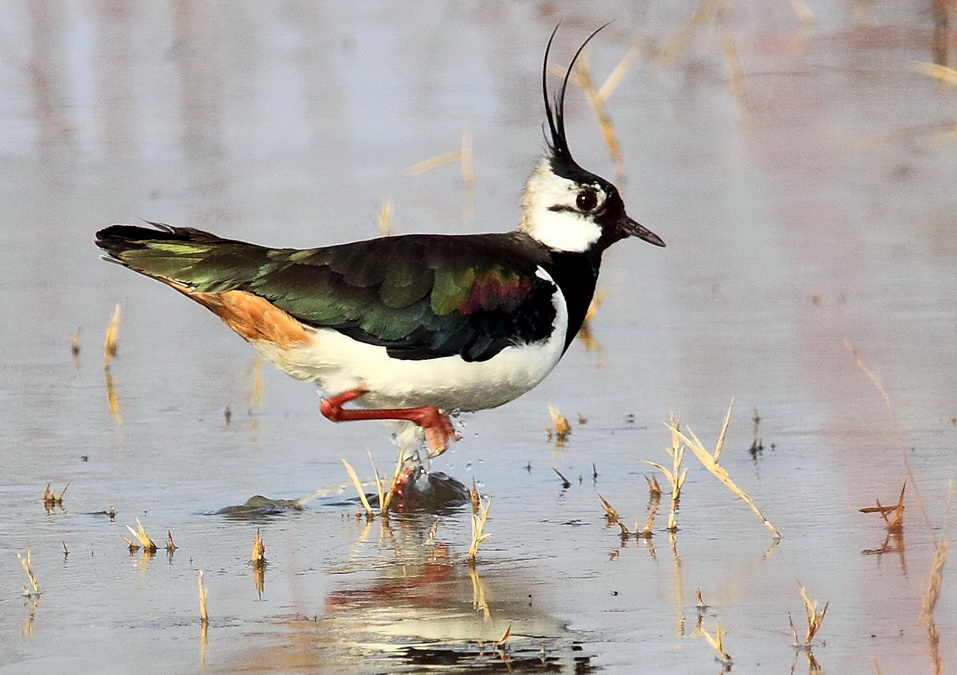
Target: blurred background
<point x="797" y="157"/>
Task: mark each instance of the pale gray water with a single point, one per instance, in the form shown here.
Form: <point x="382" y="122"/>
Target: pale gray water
<point x="825" y="214"/>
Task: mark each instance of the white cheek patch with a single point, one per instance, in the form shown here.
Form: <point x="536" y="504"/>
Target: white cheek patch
<point x="549" y="214"/>
<point x="563" y="230"/>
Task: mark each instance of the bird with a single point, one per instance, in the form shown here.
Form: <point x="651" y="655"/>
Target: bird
<point x="411" y="327"/>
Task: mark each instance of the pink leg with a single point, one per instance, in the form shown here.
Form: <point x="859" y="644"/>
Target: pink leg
<point x="436" y="424"/>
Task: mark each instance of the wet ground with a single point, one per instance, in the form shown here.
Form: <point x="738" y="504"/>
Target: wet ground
<point x="808" y="201"/>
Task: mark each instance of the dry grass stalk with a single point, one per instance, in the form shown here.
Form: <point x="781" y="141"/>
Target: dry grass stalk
<point x="502" y="640"/>
<point x="144" y="541"/>
<point x="717" y="643"/>
<point x="802" y="12"/>
<point x="465" y="161"/>
<point x="561" y="428"/>
<point x="732" y="61"/>
<point x="584" y="333"/>
<point x="618" y="73"/>
<point x="900" y="438"/>
<point x="699" y="601"/>
<point x="258" y="556"/>
<point x="383" y="221"/>
<point x="51" y="498"/>
<point x="611" y="515"/>
<point x="27" y="563"/>
<point x="66" y="551"/>
<point x="929" y="602"/>
<point x="170" y="546"/>
<point x="478" y="524"/>
<point x="648" y="529"/>
<point x="203" y="610"/>
<point x="814" y="620"/>
<point x="943" y="74"/>
<point x="605" y="125"/>
<point x="895" y="523"/>
<point x="710" y="461"/>
<point x="109" y="344"/>
<point x="75" y="345"/>
<point x="565" y="482"/>
<point x="932" y="591"/>
<point x="379" y="486"/>
<point x="654" y="489"/>
<point x="612" y="518"/>
<point x="386" y="500"/>
<point x="258" y="560"/>
<point x="679" y="43"/>
<point x="475" y="497"/>
<point x="370" y="514"/>
<point x="464" y="158"/>
<point x="434" y="162"/>
<point x="941" y="544"/>
<point x="676" y="475"/>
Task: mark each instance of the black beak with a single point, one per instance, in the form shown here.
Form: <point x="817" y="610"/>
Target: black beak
<point x="630" y="228"/>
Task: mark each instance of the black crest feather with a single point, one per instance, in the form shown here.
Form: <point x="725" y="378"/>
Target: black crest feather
<point x="555" y="114"/>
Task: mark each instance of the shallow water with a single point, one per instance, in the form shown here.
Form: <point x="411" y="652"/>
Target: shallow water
<point x="813" y="212"/>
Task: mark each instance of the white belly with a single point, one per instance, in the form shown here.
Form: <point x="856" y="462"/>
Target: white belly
<point x="338" y="363"/>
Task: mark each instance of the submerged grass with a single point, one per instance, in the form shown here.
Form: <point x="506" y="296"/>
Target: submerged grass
<point x="203" y="596"/>
<point x="385" y="496"/>
<point x="561" y="428"/>
<point x="893" y="515"/>
<point x="258" y="556"/>
<point x="142" y="539"/>
<point x="814" y="620"/>
<point x="676" y="475"/>
<point x="52" y="498"/>
<point x="478" y="524"/>
<point x="109" y="342"/>
<point x="612" y="518"/>
<point x="258" y="560"/>
<point x="370" y="514"/>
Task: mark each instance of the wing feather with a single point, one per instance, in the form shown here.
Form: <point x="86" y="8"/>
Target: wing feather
<point x="420" y="296"/>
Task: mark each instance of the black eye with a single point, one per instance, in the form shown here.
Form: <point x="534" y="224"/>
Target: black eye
<point x="586" y="200"/>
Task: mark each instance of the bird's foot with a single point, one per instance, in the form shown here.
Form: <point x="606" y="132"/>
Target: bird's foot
<point x="435" y="423"/>
<point x="438" y="430"/>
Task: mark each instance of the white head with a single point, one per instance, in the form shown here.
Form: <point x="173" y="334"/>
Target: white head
<point x="564" y="206"/>
<point x="559" y="212"/>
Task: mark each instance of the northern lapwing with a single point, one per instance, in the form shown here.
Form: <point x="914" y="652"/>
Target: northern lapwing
<point x="416" y="326"/>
